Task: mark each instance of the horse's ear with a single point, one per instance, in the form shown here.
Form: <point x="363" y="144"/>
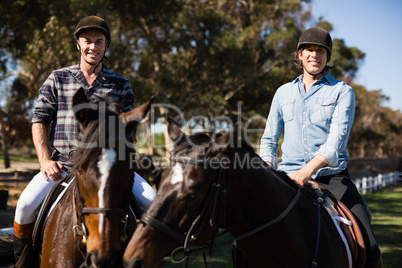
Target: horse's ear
<point x="174" y="131"/>
<point x="230" y="139"/>
<point x="133" y="117"/>
<point x="81" y="110"/>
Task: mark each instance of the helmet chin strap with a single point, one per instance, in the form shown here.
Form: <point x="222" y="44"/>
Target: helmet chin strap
<point x="315" y="75"/>
<point x="93" y="64"/>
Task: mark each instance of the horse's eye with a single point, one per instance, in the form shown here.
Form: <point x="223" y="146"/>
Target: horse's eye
<point x="191" y="196"/>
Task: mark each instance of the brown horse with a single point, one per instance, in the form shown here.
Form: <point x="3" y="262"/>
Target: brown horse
<point x="217" y="181"/>
<point x="87" y="226"/>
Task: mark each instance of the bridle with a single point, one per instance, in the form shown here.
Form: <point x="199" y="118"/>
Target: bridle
<point x="217" y="192"/>
<point x="79" y="228"/>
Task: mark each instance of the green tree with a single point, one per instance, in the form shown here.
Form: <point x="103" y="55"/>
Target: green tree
<point x="205" y="57"/>
<point x="376" y="129"/>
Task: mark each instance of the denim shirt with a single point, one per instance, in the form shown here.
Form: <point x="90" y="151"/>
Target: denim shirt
<point x="316" y="122"/>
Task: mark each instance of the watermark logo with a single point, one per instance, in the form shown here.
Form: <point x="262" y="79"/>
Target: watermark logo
<point x="112" y="132"/>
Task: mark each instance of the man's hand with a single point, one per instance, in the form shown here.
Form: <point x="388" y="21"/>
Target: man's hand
<point x="270" y="164"/>
<point x="300" y="177"/>
<point x="51" y="170"/>
<point x="304" y="174"/>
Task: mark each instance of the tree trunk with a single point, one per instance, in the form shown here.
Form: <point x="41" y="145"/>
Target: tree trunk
<point x="5" y="149"/>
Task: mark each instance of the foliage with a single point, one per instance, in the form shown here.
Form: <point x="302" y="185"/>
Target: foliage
<point x="376" y="129"/>
<point x="205" y="57"/>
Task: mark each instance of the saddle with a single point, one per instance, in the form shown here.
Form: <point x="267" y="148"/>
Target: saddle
<point x="346" y="222"/>
<point x="54" y="194"/>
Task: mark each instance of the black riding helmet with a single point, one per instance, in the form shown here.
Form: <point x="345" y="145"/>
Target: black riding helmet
<point x="316" y="36"/>
<point x="93" y="23"/>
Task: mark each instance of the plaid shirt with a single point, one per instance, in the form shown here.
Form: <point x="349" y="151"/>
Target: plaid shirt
<point x="54" y="106"/>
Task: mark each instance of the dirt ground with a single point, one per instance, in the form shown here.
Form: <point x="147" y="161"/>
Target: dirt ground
<point x="15" y="179"/>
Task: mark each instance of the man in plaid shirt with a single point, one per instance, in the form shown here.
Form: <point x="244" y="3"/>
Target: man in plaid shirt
<point x="55" y="129"/>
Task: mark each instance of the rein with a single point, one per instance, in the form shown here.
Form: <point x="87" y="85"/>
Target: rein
<point x="217" y="188"/>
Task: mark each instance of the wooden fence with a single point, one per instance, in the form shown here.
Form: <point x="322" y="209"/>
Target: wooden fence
<point x="376" y="183"/>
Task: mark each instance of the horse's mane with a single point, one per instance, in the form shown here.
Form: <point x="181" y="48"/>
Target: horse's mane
<point x="286" y="178"/>
<point x="203" y="139"/>
<point x="112" y="106"/>
<point x="93" y="129"/>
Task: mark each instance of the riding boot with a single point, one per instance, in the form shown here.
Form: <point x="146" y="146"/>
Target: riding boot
<point x="22" y="237"/>
<point x="377" y="264"/>
<point x="19" y="245"/>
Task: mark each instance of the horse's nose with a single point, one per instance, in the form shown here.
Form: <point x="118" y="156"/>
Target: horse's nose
<point x="91" y="259"/>
<point x="136" y="263"/>
<point x="94" y="261"/>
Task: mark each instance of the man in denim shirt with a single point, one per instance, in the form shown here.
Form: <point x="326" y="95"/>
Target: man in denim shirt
<point x="316" y="113"/>
<point x="54" y="127"/>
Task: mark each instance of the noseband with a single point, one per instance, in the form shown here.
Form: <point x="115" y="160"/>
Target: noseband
<point x="217" y="190"/>
<point x="79" y="227"/>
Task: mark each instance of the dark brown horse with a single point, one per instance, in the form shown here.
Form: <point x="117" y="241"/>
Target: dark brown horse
<point x="217" y="181"/>
<point x="87" y="227"/>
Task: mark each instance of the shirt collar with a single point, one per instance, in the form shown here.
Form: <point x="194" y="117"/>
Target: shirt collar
<point x="75" y="69"/>
<point x="326" y="78"/>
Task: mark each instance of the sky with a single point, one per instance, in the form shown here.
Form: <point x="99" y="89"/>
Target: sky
<point x="375" y="28"/>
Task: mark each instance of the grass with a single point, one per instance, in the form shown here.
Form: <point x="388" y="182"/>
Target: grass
<point x="386" y="209"/>
<point x="221" y="257"/>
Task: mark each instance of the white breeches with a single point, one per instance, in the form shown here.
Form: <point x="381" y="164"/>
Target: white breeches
<point x="33" y="195"/>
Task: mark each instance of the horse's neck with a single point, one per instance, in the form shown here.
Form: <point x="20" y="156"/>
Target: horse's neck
<point x="256" y="195"/>
<point x="262" y="179"/>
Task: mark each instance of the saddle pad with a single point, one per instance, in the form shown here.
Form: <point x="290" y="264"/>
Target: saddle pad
<point x="344" y="222"/>
<point x="352" y="234"/>
<point x="341" y="234"/>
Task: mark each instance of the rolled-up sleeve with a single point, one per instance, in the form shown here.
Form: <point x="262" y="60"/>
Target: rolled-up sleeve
<point x="272" y="133"/>
<point x="46" y="106"/>
<point x="340" y="127"/>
